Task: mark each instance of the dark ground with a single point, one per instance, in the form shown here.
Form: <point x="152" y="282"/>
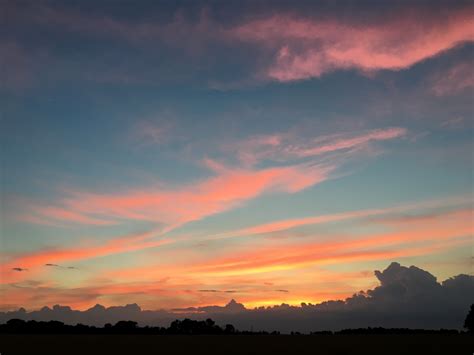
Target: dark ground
<point x="236" y="344"/>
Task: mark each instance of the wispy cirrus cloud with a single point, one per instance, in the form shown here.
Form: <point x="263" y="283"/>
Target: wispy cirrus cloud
<point x="172" y="206"/>
<point x="287" y="146"/>
<point x="399" y="237"/>
<point x="179" y="205"/>
<point x="159" y="129"/>
<point x="406" y="239"/>
<point x="455" y="79"/>
<point x="408" y="211"/>
<point x="293" y="164"/>
<point x="52" y="257"/>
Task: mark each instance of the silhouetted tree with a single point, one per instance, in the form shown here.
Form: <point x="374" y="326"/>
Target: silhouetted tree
<point x="125" y="326"/>
<point x="229" y="329"/>
<point x="16" y="325"/>
<point x="469" y="321"/>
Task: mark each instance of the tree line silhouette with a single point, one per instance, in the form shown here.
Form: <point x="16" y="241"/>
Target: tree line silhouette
<point x="183" y="327"/>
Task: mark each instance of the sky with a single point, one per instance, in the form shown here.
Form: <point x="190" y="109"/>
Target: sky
<point x="180" y="154"/>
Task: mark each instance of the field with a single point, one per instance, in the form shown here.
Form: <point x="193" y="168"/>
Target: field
<point x="238" y="344"/>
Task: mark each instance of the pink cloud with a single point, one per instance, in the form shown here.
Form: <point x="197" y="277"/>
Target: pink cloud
<point x="287" y="147"/>
<point x="307" y="48"/>
<point x="300" y="47"/>
<point x="456" y="79"/>
<point x="334" y="143"/>
<point x="156" y="130"/>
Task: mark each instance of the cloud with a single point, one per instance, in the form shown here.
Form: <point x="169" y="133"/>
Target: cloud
<point x="447" y="228"/>
<point x="305" y="163"/>
<point x="401" y="282"/>
<point x="171" y="206"/>
<point x="290" y="44"/>
<point x="308" y="48"/>
<point x="457" y="78"/>
<point x="217" y="291"/>
<point x="20" y="269"/>
<point x="454" y="123"/>
<point x="158" y="130"/>
<point x="401" y="213"/>
<point x="407" y="297"/>
<point x="399" y="238"/>
<point x="39" y="258"/>
<point x="61" y="267"/>
<point x="287" y="147"/>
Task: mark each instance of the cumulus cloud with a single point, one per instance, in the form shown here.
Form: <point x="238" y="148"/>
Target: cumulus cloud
<point x="406" y="297"/>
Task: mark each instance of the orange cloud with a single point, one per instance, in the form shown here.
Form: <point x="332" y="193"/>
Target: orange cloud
<point x="412" y="238"/>
<point x="38" y="259"/>
<point x="248" y="272"/>
<point x="282" y="225"/>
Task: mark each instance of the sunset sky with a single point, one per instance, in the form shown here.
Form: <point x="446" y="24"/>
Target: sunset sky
<point x="184" y="153"/>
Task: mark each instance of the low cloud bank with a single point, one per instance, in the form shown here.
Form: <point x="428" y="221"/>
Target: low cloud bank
<point x="407" y="297"/>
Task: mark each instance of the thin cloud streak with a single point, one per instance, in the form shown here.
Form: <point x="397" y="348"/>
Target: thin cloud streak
<point x="449" y="230"/>
<point x="288" y="147"/>
<point x="188" y="203"/>
<point x="456" y="79"/>
<point x="282" y="225"/>
<point x="40" y="258"/>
